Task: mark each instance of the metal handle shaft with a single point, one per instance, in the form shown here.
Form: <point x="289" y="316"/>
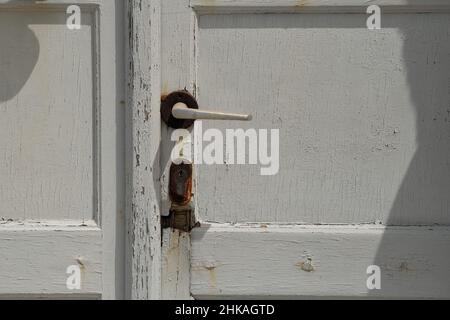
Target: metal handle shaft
<point x="181" y="111"/>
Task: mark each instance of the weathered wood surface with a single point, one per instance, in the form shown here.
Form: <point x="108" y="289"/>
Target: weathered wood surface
<point x="328" y="6"/>
<point x="144" y="228"/>
<point x="61" y="147"/>
<point x="35" y="258"/>
<point x="176" y="277"/>
<point x="364" y="139"/>
<point x="363" y="136"/>
<point x="319" y="261"/>
<point x="46" y="123"/>
<point x="178" y="72"/>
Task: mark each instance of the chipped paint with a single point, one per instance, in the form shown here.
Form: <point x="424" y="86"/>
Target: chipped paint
<point x="306" y="266"/>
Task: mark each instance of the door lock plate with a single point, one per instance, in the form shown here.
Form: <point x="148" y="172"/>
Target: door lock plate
<point x="181" y="215"/>
<point x="180" y="188"/>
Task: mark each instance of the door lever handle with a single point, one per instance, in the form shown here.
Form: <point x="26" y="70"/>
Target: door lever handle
<point x="182" y="111"/>
<point x="179" y="110"/>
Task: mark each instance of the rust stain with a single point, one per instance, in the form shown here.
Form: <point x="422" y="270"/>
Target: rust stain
<point x="211" y="268"/>
<point x="213" y="278"/>
<point x="180" y="187"/>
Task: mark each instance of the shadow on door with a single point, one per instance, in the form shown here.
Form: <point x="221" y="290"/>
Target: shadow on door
<point x="424" y="196"/>
<point x="18" y="55"/>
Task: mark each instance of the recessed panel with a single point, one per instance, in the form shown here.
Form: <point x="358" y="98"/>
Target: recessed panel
<point x="46" y="116"/>
<point x="364" y="117"/>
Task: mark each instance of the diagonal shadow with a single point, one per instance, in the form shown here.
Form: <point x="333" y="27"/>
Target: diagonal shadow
<point x="19" y="53"/>
<point x="424" y="196"/>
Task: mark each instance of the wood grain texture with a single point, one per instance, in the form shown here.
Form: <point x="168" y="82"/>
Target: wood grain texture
<point x="144" y="228"/>
<point x="363" y="136"/>
<point x="303" y="261"/>
<point x="35" y="259"/>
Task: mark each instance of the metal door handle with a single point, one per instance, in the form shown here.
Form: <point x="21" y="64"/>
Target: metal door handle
<point x="179" y="110"/>
<point x="182" y="111"/>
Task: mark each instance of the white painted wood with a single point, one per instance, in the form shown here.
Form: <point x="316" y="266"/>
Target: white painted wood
<point x="111" y="133"/>
<point x="310" y="3"/>
<point x="62" y="147"/>
<point x="178" y="72"/>
<point x="176" y="265"/>
<point x="311" y="6"/>
<point x="46" y="123"/>
<point x="144" y="228"/>
<point x="304" y="261"/>
<point x="364" y="139"/>
<point x="35" y="258"/>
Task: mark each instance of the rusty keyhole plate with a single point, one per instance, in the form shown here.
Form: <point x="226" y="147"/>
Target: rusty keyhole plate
<point x="180" y="191"/>
<point x="180" y="188"/>
<point x="167" y="104"/>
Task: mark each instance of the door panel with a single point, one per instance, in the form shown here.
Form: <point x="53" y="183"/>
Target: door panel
<point x="35" y="260"/>
<point x="350" y="124"/>
<point x="364" y="148"/>
<point x="318" y="261"/>
<point x="46" y="127"/>
<point x="61" y="128"/>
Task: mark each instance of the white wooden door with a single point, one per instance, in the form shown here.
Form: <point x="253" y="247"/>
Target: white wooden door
<point x="61" y="150"/>
<point x="364" y="177"/>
